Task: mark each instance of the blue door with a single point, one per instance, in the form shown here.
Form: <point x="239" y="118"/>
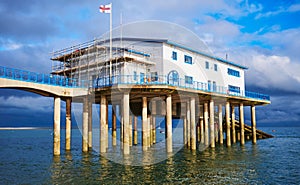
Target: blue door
<point x="142" y="76"/>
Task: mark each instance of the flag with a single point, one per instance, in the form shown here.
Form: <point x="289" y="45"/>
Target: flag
<point x="105" y="8"/>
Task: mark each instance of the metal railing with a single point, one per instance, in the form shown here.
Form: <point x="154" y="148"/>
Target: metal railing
<point x="181" y="83"/>
<point x="48" y="79"/>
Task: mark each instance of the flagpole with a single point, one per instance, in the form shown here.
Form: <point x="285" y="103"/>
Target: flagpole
<point x="110" y="45"/>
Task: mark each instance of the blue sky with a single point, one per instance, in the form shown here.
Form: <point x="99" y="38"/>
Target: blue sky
<point x="262" y="35"/>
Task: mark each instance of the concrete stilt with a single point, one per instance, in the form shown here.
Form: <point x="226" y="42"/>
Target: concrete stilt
<point x="106" y="124"/>
<point x="148" y="131"/>
<point x="103" y="124"/>
<point x="130" y="130"/>
<point x="185" y="131"/>
<point x="212" y="123"/>
<point x="90" y="124"/>
<point x="154" y="122"/>
<point x="56" y="134"/>
<point x="228" y="137"/>
<point x="242" y="125"/>
<point x="126" y="108"/>
<point x="169" y="123"/>
<point x="220" y="124"/>
<point x="193" y="123"/>
<point x="202" y="130"/>
<point x="85" y="117"/>
<point x="206" y="134"/>
<point x="253" y="124"/>
<point x="198" y="132"/>
<point x="144" y="124"/>
<point x="68" y="123"/>
<point x="114" y="126"/>
<point x="135" y="135"/>
<point x="233" y="134"/>
<point x="188" y="116"/>
<point x="121" y="125"/>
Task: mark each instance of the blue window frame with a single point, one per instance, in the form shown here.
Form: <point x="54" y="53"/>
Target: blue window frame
<point x="188" y="79"/>
<point x="174" y="55"/>
<point x="188" y="59"/>
<point x="209" y="85"/>
<point x="206" y="65"/>
<point x="214" y="86"/>
<point x="134" y="75"/>
<point x="216" y="67"/>
<point x="233" y="72"/>
<point x="234" y="89"/>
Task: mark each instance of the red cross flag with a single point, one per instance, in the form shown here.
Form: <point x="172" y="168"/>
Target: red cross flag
<point x="105" y="8"/>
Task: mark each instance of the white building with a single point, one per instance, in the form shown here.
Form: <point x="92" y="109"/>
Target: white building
<point x="139" y="61"/>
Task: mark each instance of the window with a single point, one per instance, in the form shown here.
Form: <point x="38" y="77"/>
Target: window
<point x="214" y="86"/>
<point x="174" y="55"/>
<point x="216" y="67"/>
<point x="233" y="72"/>
<point x="188" y="79"/>
<point x="209" y="85"/>
<point x="154" y="76"/>
<point x="234" y="89"/>
<point x="206" y="65"/>
<point x="188" y="59"/>
<point x="134" y="75"/>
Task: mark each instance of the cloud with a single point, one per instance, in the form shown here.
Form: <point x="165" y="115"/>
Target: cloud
<point x="291" y="9"/>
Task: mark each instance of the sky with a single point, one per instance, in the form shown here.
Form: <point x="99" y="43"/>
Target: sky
<point x="262" y="35"/>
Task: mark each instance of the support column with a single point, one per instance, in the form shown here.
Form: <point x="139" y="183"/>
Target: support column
<point x="201" y="125"/>
<point x="68" y="123"/>
<point x="114" y="126"/>
<point x="130" y="130"/>
<point x="242" y="125"/>
<point x="206" y="138"/>
<point x="148" y="131"/>
<point x="253" y="124"/>
<point x="212" y="123"/>
<point x="193" y="123"/>
<point x="144" y="124"/>
<point x="90" y="124"/>
<point x="233" y="124"/>
<point x="56" y="126"/>
<point x="106" y="125"/>
<point x="220" y="124"/>
<point x="126" y="108"/>
<point x="185" y="130"/>
<point x="169" y="123"/>
<point x="153" y="122"/>
<point x="188" y="124"/>
<point x="135" y="135"/>
<point x="228" y="137"/>
<point x="85" y="117"/>
<point x="103" y="124"/>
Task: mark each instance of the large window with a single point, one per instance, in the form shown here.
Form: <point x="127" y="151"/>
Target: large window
<point x="174" y="55"/>
<point x="154" y="76"/>
<point x="188" y="79"/>
<point x="188" y="59"/>
<point x="234" y="89"/>
<point x="134" y="75"/>
<point x="233" y="72"/>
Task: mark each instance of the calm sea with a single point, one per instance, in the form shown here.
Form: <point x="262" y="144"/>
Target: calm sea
<point x="26" y="158"/>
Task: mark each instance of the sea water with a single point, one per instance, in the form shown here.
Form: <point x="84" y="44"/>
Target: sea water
<point x="26" y="158"/>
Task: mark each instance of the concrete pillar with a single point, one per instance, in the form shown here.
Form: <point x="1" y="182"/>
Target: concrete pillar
<point x="198" y="131"/>
<point x="185" y="131"/>
<point x="103" y="124"/>
<point x="106" y="124"/>
<point x="130" y="130"/>
<point x="68" y="123"/>
<point x="193" y="123"/>
<point x="212" y="123"/>
<point x="126" y="108"/>
<point x="148" y="131"/>
<point x="135" y="135"/>
<point x="206" y="134"/>
<point x="233" y="124"/>
<point x="154" y="122"/>
<point x="169" y="123"/>
<point x="90" y="124"/>
<point x="188" y="116"/>
<point x="114" y="126"/>
<point x="202" y="130"/>
<point x="85" y="117"/>
<point x="253" y="124"/>
<point x="144" y="124"/>
<point x="56" y="127"/>
<point x="228" y="137"/>
<point x="220" y="124"/>
<point x="242" y="125"/>
<point x="121" y="124"/>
